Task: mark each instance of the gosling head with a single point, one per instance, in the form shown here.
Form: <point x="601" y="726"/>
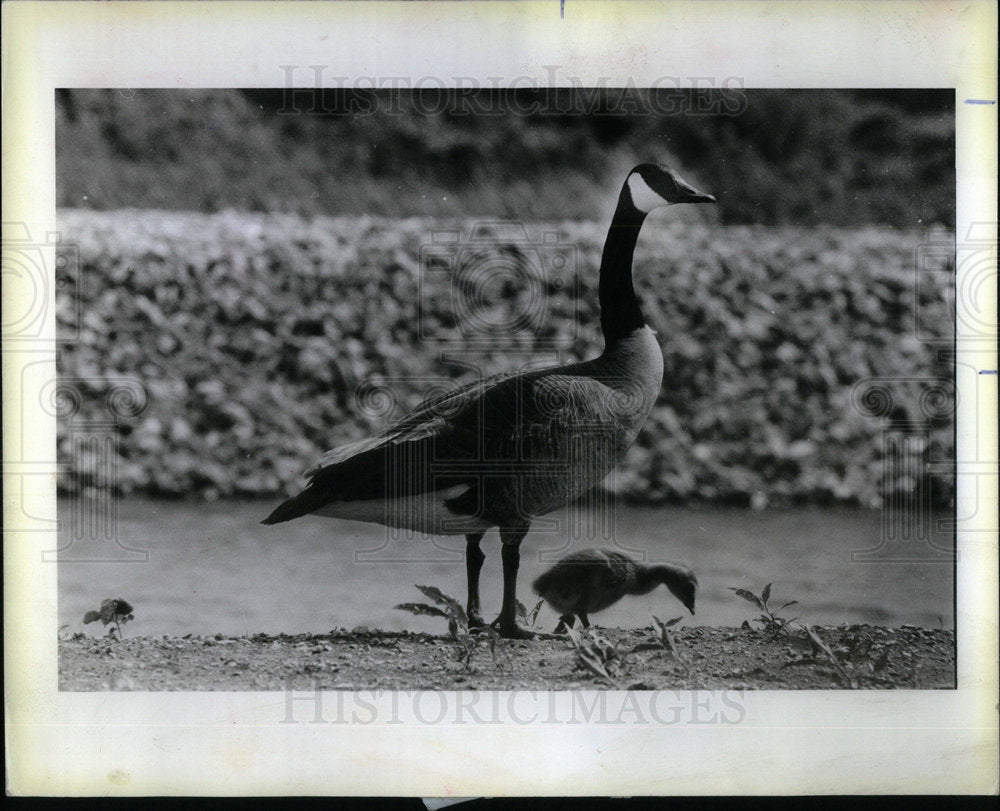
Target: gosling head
<point x="651" y="186"/>
<point x="683" y="585"/>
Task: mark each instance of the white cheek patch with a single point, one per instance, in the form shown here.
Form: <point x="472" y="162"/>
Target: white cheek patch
<point x="643" y="197"/>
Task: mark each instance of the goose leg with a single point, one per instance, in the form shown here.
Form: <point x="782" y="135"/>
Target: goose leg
<point x="511" y="555"/>
<point x="584" y="620"/>
<point x="474" y="558"/>
<point x="565" y="621"/>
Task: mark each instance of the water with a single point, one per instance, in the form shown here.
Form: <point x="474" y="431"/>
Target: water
<point x="212" y="568"/>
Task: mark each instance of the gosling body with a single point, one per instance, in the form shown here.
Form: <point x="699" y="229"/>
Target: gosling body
<point x="588" y="581"/>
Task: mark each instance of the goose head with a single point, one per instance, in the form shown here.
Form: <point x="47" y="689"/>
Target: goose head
<point x="651" y="186"/>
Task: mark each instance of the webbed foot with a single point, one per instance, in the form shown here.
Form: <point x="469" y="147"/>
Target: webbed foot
<point x="513" y="630"/>
<point x="476" y="622"/>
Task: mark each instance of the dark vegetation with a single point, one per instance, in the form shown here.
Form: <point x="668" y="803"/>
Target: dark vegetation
<point x="770" y="157"/>
<point x="233" y="349"/>
<point x="117" y="611"/>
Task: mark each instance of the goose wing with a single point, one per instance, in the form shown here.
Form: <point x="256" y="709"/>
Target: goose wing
<point x="430" y="418"/>
<point x="477" y="430"/>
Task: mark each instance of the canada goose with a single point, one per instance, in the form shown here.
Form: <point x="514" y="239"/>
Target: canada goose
<point x="500" y="451"/>
<point x="590" y="580"/>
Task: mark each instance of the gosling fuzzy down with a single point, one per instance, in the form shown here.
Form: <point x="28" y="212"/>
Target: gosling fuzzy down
<point x="591" y="580"/>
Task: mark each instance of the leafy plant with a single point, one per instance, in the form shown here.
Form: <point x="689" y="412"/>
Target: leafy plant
<point x="861" y="658"/>
<point x="665" y="641"/>
<point x="666" y="636"/>
<point x="859" y="663"/>
<point x="768" y="619"/>
<point x="819" y="646"/>
<point x="531" y="618"/>
<point x="452" y="609"/>
<point x="117" y="611"/>
<point x="458" y="623"/>
<point x="596" y="654"/>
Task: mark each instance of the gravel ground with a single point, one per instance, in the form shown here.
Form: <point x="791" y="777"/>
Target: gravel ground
<point x="868" y="657"/>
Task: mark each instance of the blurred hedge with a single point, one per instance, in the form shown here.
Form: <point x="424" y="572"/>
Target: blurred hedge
<point x="774" y="157"/>
<point x="263" y="340"/>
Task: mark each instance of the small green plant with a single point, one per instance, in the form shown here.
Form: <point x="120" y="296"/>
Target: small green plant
<point x="531" y="618"/>
<point x="666" y="635"/>
<point x="664" y="640"/>
<point x="858" y="665"/>
<point x="862" y="660"/>
<point x="768" y="619"/>
<point x="819" y="646"/>
<point x="117" y="611"/>
<point x="458" y="623"/>
<point x="596" y="654"/>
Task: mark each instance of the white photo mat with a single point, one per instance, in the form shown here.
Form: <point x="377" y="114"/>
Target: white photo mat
<point x="62" y="743"/>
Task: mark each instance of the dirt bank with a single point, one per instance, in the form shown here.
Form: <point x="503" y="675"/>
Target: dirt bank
<point x="867" y="657"/>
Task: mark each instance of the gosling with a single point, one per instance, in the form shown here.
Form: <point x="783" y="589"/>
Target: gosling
<point x="593" y="579"/>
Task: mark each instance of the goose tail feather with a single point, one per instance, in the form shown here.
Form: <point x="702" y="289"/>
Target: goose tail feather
<point x="309" y="500"/>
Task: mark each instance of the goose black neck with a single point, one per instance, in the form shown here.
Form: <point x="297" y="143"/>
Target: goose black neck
<point x="620" y="312"/>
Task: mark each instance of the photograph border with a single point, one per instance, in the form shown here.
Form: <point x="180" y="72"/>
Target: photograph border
<point x="788" y="742"/>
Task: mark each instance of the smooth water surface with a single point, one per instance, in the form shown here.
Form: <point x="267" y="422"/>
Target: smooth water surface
<point x="212" y="568"/>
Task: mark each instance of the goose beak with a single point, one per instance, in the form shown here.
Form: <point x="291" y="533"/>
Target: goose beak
<point x="689" y="194"/>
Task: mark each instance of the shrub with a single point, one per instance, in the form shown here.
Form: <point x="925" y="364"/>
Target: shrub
<point x="264" y="340"/>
